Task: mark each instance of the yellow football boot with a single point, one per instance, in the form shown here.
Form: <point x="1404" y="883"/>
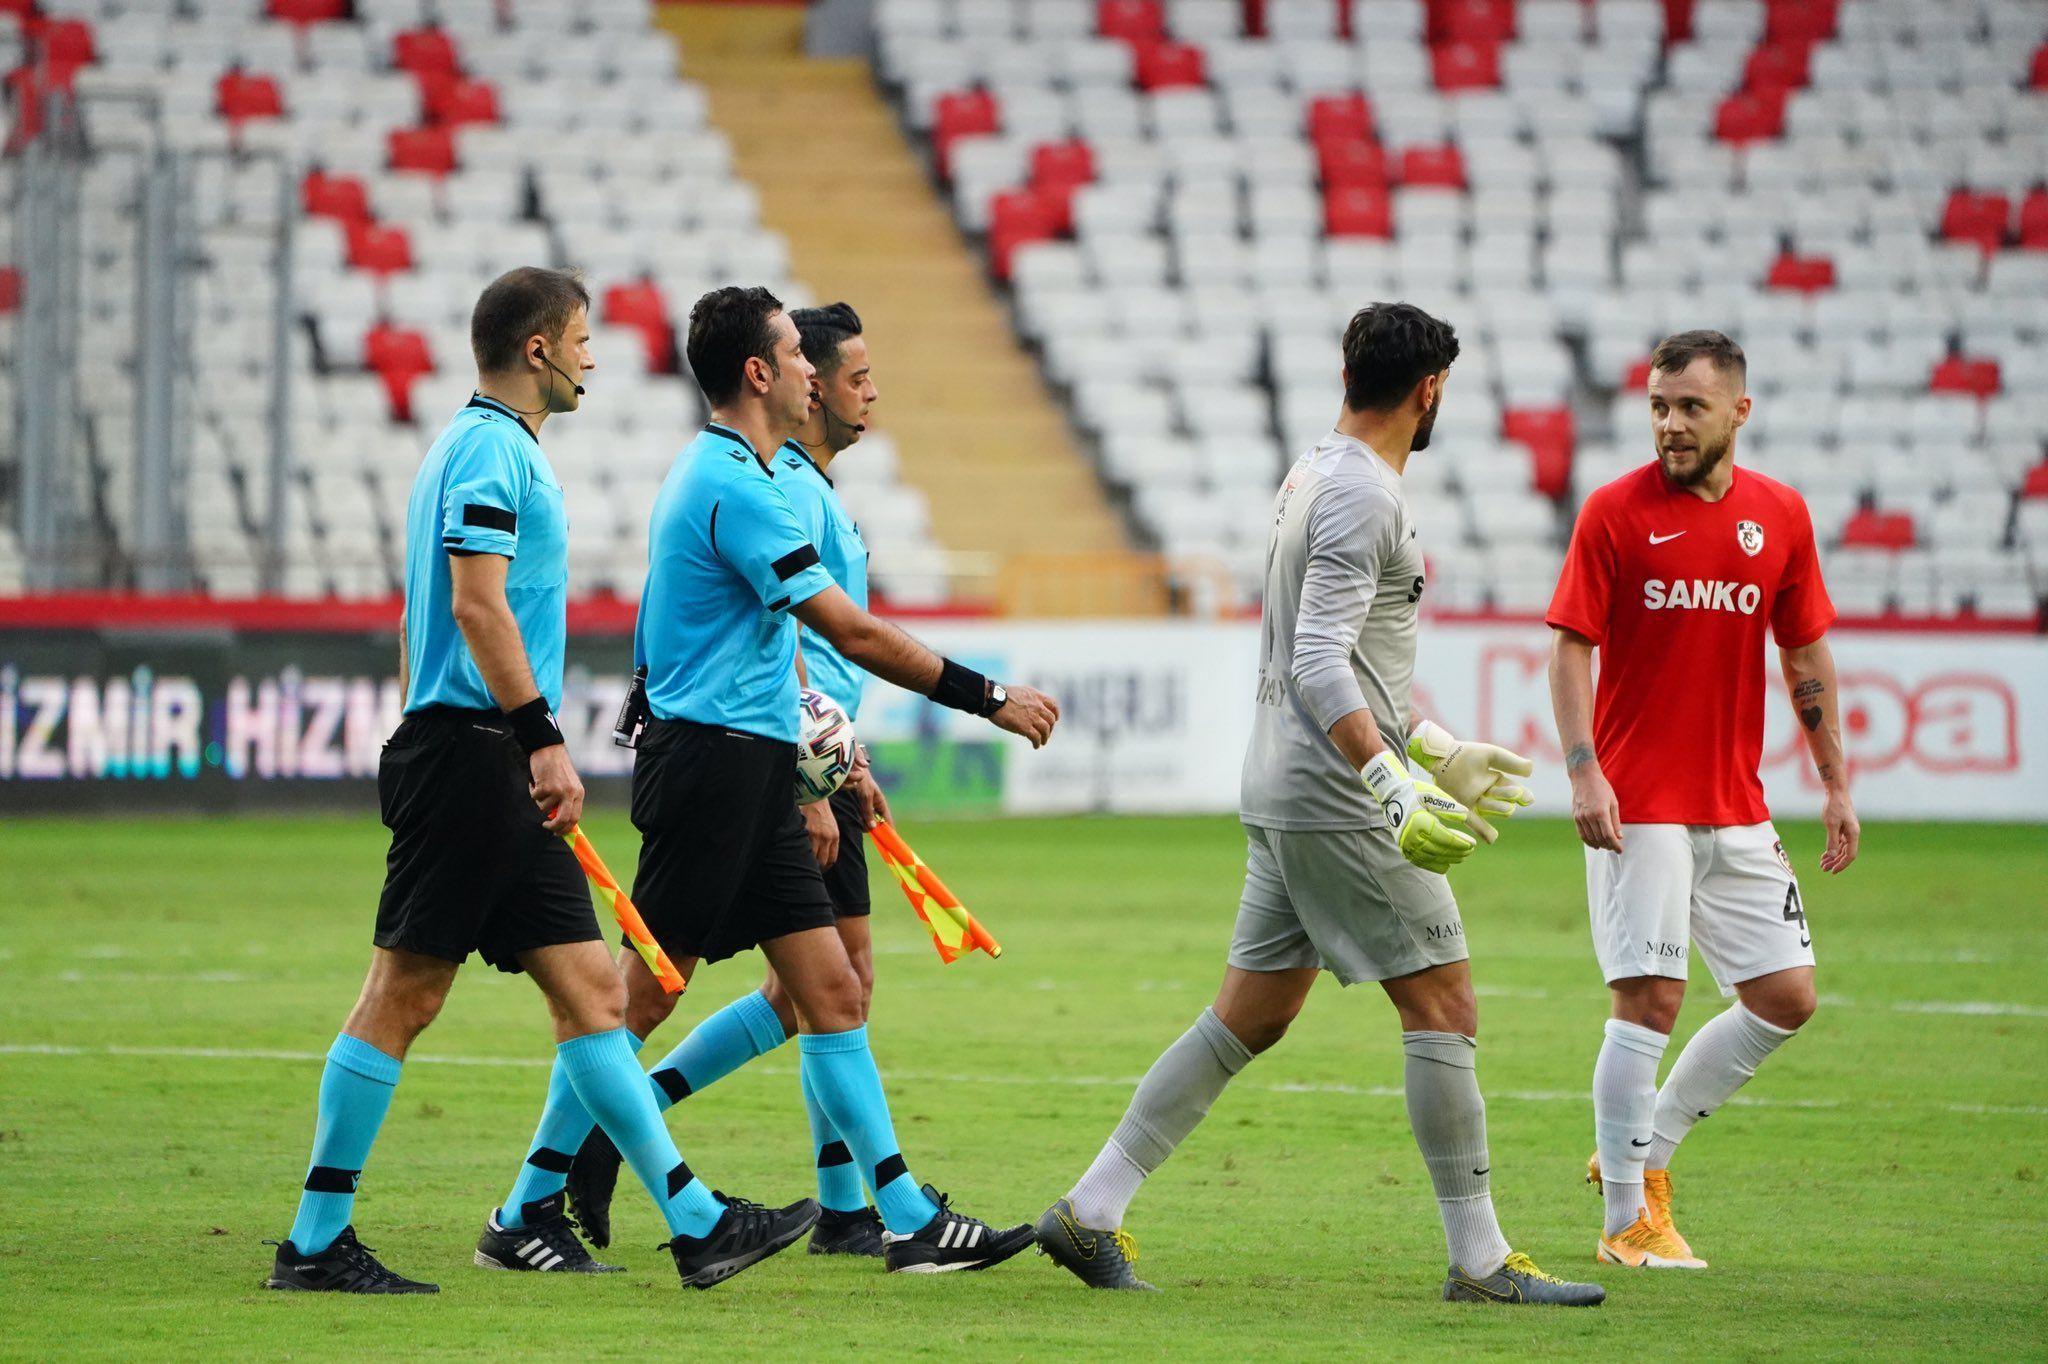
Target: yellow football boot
<point x="1643" y="1246"/>
<point x="1656" y="1202"/>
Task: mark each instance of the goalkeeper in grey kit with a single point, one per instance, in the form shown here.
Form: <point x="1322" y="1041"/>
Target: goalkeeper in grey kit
<point x="1347" y="851"/>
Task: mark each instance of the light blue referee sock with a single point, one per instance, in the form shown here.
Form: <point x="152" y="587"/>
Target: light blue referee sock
<point x="839" y="1186"/>
<point x="355" y="1094"/>
<point x="717" y="1047"/>
<point x="842" y="1074"/>
<point x="612" y="1087"/>
<point x="564" y="1124"/>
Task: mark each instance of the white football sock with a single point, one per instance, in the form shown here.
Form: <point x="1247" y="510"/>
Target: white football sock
<point x="1449" y="1121"/>
<point x="1107" y="1188"/>
<point x="1624" y="1099"/>
<point x="1171" y="1100"/>
<point x="1718" y="1061"/>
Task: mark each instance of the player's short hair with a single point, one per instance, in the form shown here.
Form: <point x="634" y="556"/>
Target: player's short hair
<point x="824" y="330"/>
<point x="728" y="327"/>
<point x="1680" y="349"/>
<point x="1388" y="349"/>
<point x="522" y="303"/>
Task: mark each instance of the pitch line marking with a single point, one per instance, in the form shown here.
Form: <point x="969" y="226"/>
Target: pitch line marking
<point x="53" y="1049"/>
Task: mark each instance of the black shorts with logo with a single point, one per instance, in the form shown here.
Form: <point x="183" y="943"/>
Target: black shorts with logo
<point x="846" y="880"/>
<point x="470" y="867"/>
<point x="725" y="863"/>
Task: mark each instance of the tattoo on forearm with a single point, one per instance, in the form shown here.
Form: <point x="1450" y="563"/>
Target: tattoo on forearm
<point x="1827" y="771"/>
<point x="1810" y="687"/>
<point x="1578" y="757"/>
<point x="1810" y="716"/>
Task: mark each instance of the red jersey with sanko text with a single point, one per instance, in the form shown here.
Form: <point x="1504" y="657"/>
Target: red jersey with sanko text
<point x="1675" y="592"/>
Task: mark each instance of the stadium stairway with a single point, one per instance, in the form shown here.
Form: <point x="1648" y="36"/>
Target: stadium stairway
<point x="976" y="428"/>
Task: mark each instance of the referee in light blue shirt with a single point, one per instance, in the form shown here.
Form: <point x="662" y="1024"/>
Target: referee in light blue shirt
<point x="724" y="861"/>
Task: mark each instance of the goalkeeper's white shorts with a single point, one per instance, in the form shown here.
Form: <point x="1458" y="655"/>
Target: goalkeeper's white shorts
<point x="1728" y="891"/>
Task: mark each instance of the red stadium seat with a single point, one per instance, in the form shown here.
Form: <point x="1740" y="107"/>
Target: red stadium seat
<point x="1638" y="377"/>
<point x="1465" y="65"/>
<point x="19" y="9"/>
<point x="1781" y="66"/>
<point x="1969" y="374"/>
<point x="2037" y="75"/>
<point x="430" y="151"/>
<point x="308" y="11"/>
<point x="1132" y="20"/>
<point x="1550" y="435"/>
<point x="341" y="197"/>
<point x="1170" y="66"/>
<point x="379" y="249"/>
<point x="2035" y="484"/>
<point x="1678" y="20"/>
<point x="1872" y="529"/>
<point x="1353" y="163"/>
<point x="1339" y="118"/>
<point x="1015" y="217"/>
<point x="1357" y="211"/>
<point x="66" y="45"/>
<point x="958" y="114"/>
<point x="10" y="289"/>
<point x="1058" y="170"/>
<point x="423" y="49"/>
<point x="640" y="305"/>
<point x="239" y="96"/>
<point x="1062" y="163"/>
<point x="398" y="356"/>
<point x="1441" y="167"/>
<point x="1979" y="219"/>
<point x="454" y="100"/>
<point x="1802" y="274"/>
<point x="1751" y="116"/>
<point x="2034" y="220"/>
<point x="1472" y="21"/>
<point x="1804" y="20"/>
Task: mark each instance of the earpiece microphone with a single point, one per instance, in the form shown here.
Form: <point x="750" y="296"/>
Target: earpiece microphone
<point x="559" y="370"/>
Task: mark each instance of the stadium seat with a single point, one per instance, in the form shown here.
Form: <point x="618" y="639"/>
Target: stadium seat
<point x="377" y="248"/>
<point x="1974" y="376"/>
<point x="1131" y="20"/>
<point x="399" y="356"/>
<point x="240" y="96"/>
<point x="418" y="51"/>
<point x="1869" y="528"/>
<point x="427" y="151"/>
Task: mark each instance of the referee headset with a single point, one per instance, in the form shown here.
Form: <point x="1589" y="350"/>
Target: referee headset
<point x="540" y="353"/>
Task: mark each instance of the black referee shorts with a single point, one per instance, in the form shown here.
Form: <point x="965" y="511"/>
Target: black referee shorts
<point x="846" y="880"/>
<point x="470" y="867"/>
<point x="725" y="863"/>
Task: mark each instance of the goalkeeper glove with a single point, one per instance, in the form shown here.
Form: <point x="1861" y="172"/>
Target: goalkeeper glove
<point x="1474" y="774"/>
<point x="1424" y="820"/>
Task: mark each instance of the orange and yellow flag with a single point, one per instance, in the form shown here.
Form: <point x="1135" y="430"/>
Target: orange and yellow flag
<point x="954" y="931"/>
<point x="628" y="915"/>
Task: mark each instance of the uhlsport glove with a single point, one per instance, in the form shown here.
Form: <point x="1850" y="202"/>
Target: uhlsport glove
<point x="1422" y="817"/>
<point x="1476" y="775"/>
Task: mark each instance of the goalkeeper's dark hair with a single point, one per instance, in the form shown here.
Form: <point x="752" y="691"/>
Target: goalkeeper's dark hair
<point x="823" y="331"/>
<point x="1389" y="348"/>
<point x="1680" y="349"/>
<point x="729" y="327"/>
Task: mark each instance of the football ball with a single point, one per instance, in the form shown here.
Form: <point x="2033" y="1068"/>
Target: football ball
<point x="824" y="747"/>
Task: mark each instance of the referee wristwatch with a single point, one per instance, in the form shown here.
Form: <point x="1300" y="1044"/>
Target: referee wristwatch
<point x="994" y="698"/>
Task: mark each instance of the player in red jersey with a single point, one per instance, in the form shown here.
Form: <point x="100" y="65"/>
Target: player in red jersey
<point x="1673" y="574"/>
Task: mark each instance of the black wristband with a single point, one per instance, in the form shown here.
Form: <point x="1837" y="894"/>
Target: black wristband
<point x="961" y="688"/>
<point x="534" y="726"/>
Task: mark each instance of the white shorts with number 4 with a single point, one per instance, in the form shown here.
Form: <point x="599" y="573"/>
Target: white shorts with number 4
<point x="1728" y="891"/>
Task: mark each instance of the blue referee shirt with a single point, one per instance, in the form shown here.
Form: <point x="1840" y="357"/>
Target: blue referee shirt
<point x="726" y="560"/>
<point x="484" y="488"/>
<point x="845" y="556"/>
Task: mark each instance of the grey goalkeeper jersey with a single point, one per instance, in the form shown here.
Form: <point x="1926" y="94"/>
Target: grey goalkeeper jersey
<point x="1336" y="635"/>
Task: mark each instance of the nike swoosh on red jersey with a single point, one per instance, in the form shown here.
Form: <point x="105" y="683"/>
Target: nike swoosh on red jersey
<point x="1657" y="539"/>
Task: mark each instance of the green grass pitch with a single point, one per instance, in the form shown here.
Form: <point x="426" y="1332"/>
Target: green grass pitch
<point x="166" y="989"/>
